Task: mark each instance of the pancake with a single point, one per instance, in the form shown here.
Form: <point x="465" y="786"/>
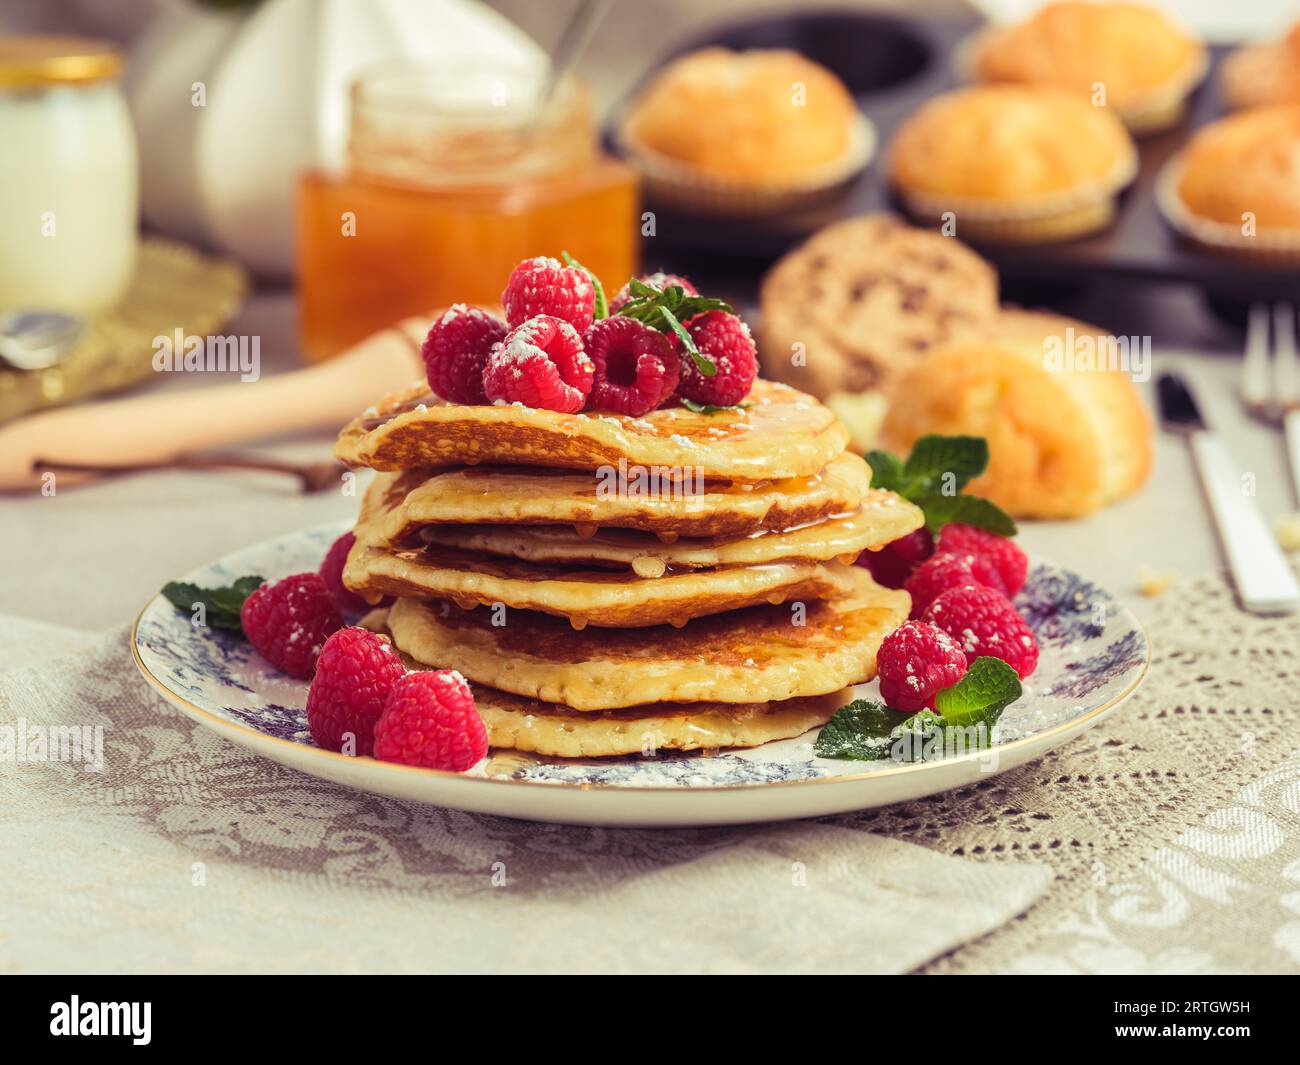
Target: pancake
<point x="398" y="504"/>
<point x="556" y="730"/>
<point x="529" y="725"/>
<point x="744" y="656"/>
<point x="782" y="433"/>
<point x="883" y="518"/>
<point x="584" y="596"/>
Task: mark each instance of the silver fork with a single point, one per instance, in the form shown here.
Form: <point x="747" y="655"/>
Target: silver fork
<point x="1270" y="376"/>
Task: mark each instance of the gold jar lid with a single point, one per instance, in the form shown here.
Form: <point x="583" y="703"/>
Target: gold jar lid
<point x="33" y="62"/>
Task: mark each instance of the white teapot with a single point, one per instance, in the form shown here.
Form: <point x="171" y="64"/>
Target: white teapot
<point x="230" y="104"/>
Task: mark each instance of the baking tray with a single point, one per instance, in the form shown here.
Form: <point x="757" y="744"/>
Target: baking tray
<point x="892" y="65"/>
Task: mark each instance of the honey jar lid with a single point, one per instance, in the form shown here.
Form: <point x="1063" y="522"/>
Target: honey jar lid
<point x="31" y="62"/>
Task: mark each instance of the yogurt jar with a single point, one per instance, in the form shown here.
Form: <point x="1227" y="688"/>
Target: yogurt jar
<point x="69" y="181"/>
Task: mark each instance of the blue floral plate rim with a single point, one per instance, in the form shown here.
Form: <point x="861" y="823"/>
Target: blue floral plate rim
<point x="1121" y="665"/>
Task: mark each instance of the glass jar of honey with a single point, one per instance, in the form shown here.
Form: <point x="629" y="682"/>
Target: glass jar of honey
<point x="454" y="175"/>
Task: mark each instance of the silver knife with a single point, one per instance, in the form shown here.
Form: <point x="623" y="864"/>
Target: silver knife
<point x="1265" y="583"/>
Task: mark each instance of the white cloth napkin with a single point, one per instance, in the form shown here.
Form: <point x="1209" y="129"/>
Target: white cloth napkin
<point x="185" y="852"/>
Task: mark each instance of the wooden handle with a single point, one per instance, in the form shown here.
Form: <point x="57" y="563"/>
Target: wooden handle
<point x="159" y="427"/>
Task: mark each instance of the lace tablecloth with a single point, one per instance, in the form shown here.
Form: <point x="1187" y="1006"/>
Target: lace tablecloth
<point x="1166" y="839"/>
<point x="1173" y="827"/>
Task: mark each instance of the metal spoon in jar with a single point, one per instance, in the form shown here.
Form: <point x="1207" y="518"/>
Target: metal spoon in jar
<point x="586" y="17"/>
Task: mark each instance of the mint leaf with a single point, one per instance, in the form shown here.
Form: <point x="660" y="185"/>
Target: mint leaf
<point x="860" y="730"/>
<point x="918" y="738"/>
<point x="713" y="408"/>
<point x="927" y="736"/>
<point x="962" y="720"/>
<point x="943" y="510"/>
<point x="988" y="688"/>
<point x="938" y="465"/>
<point x="688" y="307"/>
<point x="866" y="730"/>
<point x="933" y="477"/>
<point x="886" y="471"/>
<point x="946" y="464"/>
<point x="602" y="305"/>
<point x="221" y="605"/>
<point x="647" y="300"/>
<point x="665" y="309"/>
<point x="676" y="299"/>
<point x="702" y="362"/>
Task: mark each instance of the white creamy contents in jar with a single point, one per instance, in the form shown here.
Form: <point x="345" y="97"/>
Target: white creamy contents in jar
<point x="69" y="183"/>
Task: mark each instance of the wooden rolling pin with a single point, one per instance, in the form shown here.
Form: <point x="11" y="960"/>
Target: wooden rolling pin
<point x="152" y="429"/>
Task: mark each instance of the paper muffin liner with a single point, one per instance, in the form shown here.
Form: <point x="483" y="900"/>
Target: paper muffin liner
<point x="1033" y="220"/>
<point x="1157" y="109"/>
<point x="1280" y="247"/>
<point x="681" y="185"/>
<point x="1164" y="106"/>
<point x="1077" y="222"/>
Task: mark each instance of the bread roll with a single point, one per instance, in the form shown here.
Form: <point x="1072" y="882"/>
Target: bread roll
<point x="1064" y="440"/>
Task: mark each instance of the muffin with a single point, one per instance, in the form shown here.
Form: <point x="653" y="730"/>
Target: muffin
<point x="1012" y="164"/>
<point x="1065" y="438"/>
<point x="1144" y="63"/>
<point x="1236" y="186"/>
<point x="1255" y="75"/>
<point x="745" y="132"/>
<point x="847" y="312"/>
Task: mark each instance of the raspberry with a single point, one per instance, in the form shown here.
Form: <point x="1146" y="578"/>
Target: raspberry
<point x="331" y="572"/>
<point x="636" y="367"/>
<point x="287" y="622"/>
<point x="893" y="563"/>
<point x="724" y="339"/>
<point x="984" y="622"/>
<point x="430" y="720"/>
<point x="915" y="661"/>
<point x="660" y="281"/>
<point x="540" y="364"/>
<point x="354" y="675"/>
<point x="938" y="573"/>
<point x="546" y="286"/>
<point x="1003" y="553"/>
<point x="455" y="350"/>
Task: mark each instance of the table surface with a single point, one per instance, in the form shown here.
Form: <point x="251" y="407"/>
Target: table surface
<point x="89" y="557"/>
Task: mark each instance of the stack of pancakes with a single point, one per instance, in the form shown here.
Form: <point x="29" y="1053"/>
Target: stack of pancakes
<point x="613" y="585"/>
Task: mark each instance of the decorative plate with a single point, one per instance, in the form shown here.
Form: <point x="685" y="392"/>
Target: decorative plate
<point x="1094" y="653"/>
